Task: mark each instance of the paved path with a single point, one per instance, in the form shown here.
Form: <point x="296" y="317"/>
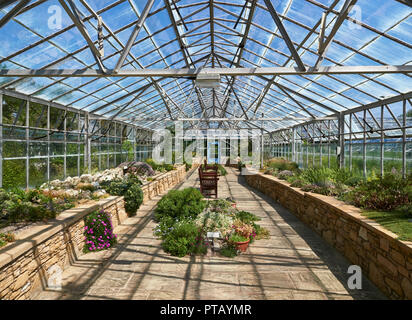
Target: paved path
<point x="294" y="263"/>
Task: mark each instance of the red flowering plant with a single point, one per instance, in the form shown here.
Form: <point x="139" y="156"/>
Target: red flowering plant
<point x="98" y="232"/>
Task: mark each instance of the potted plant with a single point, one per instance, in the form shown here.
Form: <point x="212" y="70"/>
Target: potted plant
<point x="240" y="241"/>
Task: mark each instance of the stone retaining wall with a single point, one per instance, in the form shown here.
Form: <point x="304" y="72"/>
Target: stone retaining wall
<point x="386" y="261"/>
<point x="27" y="263"/>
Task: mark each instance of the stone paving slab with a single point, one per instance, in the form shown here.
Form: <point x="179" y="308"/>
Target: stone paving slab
<point x="295" y="263"/>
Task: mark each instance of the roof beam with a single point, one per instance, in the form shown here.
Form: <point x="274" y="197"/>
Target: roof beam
<point x="306" y="98"/>
<point x="324" y="45"/>
<point x="239" y="52"/>
<point x="75" y="16"/>
<point x="192" y="72"/>
<point x="285" y="35"/>
<point x="134" y="34"/>
<point x="13" y="12"/>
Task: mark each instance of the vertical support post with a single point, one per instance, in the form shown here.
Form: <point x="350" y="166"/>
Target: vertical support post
<point x="294" y="144"/>
<point x="261" y="148"/>
<point x="48" y="142"/>
<point x="99" y="148"/>
<point x="107" y="153"/>
<point x="115" y="144"/>
<point x="341" y="125"/>
<point x="313" y="145"/>
<point x="404" y="140"/>
<point x="382" y="155"/>
<point x="328" y="143"/>
<point x="364" y="144"/>
<point x="1" y="140"/>
<point x="350" y="141"/>
<point x="320" y="146"/>
<point x="134" y="144"/>
<point x="78" y="144"/>
<point x="307" y="149"/>
<point x="65" y="146"/>
<point x="87" y="156"/>
<point x="27" y="144"/>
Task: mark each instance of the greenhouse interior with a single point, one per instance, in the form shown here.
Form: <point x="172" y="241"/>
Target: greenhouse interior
<point x="206" y="150"/>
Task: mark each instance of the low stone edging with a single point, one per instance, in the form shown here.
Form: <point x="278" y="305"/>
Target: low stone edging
<point x="25" y="264"/>
<point x="384" y="259"/>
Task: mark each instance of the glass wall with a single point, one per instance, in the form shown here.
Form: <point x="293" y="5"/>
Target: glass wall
<point x="374" y="140"/>
<point x="40" y="143"/>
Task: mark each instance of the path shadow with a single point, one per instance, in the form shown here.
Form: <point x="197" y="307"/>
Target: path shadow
<point x="333" y="259"/>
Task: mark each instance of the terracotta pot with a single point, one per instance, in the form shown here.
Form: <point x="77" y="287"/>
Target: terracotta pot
<point x="234" y="205"/>
<point x="242" y="246"/>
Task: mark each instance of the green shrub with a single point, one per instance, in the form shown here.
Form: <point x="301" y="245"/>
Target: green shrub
<point x="120" y="187"/>
<point x="246" y="217"/>
<point x="151" y="163"/>
<point x="27" y="211"/>
<point x="184" y="239"/>
<point x="321" y="177"/>
<point x="237" y="238"/>
<point x="98" y="232"/>
<point x="228" y="250"/>
<point x="387" y="193"/>
<point x="186" y="203"/>
<point x="222" y="170"/>
<point x="26" y="206"/>
<point x="285" y="174"/>
<point x="187" y="165"/>
<point x="220" y="205"/>
<point x="164" y="226"/>
<point x="159" y="167"/>
<point x="133" y="198"/>
<point x="281" y="164"/>
<point x="353" y="181"/>
<point x="116" y="187"/>
<point x="168" y="167"/>
<point x="240" y="165"/>
<point x="209" y="221"/>
<point x="261" y="233"/>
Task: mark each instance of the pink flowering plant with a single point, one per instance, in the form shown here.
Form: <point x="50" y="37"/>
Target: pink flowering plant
<point x="98" y="232"/>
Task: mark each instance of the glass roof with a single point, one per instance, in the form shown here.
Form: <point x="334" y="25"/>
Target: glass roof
<point x="209" y="34"/>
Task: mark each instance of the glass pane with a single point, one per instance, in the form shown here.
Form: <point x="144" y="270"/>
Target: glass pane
<point x="56" y="118"/>
<point x="37" y="172"/>
<point x="373" y="166"/>
<point x="14" y="149"/>
<point x="13" y="133"/>
<point x="37" y="115"/>
<point x="37" y="149"/>
<point x="14" y="174"/>
<point x="392" y="157"/>
<point x="72" y="148"/>
<point x="56" y="149"/>
<point x="71" y="166"/>
<point x="57" y="168"/>
<point x="14" y="111"/>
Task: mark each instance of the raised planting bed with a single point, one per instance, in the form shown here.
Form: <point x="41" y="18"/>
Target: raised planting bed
<point x="384" y="259"/>
<point x="25" y="264"/>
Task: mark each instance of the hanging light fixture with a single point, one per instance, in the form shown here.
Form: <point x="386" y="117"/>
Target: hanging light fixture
<point x="208" y="80"/>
